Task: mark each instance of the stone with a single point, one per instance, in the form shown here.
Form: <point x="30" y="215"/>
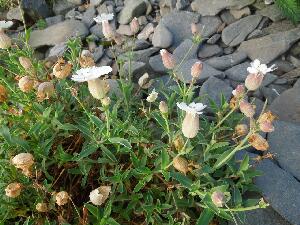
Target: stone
<point x="88" y="16"/>
<point x="269" y="47"/>
<point x="186" y="50"/>
<point x="60" y="32"/>
<point x="179" y="24"/>
<point x="239" y="13"/>
<point x="97" y="30"/>
<point x="146" y="32"/>
<point x="208" y="25"/>
<point x="280" y="189"/>
<point x="124" y="30"/>
<point x="162" y="37"/>
<point x="272" y="12"/>
<point x="284" y="142"/>
<point x="141" y="55"/>
<point x="57" y="50"/>
<point x="287" y="105"/>
<point x="280" y="26"/>
<point x="61" y="7"/>
<point x="269" y="93"/>
<point x="227" y="17"/>
<point x="292" y="75"/>
<point x="214" y="39"/>
<point x="141" y="44"/>
<point x="207" y="51"/>
<point x="238" y="72"/>
<point x="96" y="2"/>
<point x="213" y="7"/>
<point x="14" y="14"/>
<point x="133" y="8"/>
<point x="36" y="9"/>
<point x="182" y="4"/>
<point x="137" y="69"/>
<point x="213" y="89"/>
<point x="98" y="53"/>
<point x="184" y="71"/>
<point x="269" y="79"/>
<point x="157" y="65"/>
<point x="227" y="61"/>
<point x="76" y="2"/>
<point x="54" y="20"/>
<point x="237" y="32"/>
<point x="73" y="14"/>
<point x="257" y="33"/>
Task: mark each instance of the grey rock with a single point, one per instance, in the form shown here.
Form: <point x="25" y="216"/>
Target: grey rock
<point x="54" y="20"/>
<point x="207" y="51"/>
<point x="213" y="88"/>
<point x="228" y="50"/>
<point x="156" y="64"/>
<point x="57" y="50"/>
<point x="124" y="30"/>
<point x="141" y="55"/>
<point x="284" y="142"/>
<point x="14" y="14"/>
<point x="186" y="50"/>
<point x="76" y="2"/>
<point x="281" y="81"/>
<point x="272" y="12"/>
<point x="237" y="32"/>
<point x="274" y="185"/>
<point x="96" y="2"/>
<point x="137" y="69"/>
<point x="62" y="7"/>
<point x="179" y="24"/>
<point x="208" y="25"/>
<point x="133" y="8"/>
<point x="280" y="26"/>
<point x="146" y="32"/>
<point x="256" y="34"/>
<point x="259" y="104"/>
<point x="270" y="93"/>
<point x="141" y="44"/>
<point x="269" y="79"/>
<point x="297" y="84"/>
<point x="227" y="17"/>
<point x="213" y="7"/>
<point x="238" y="72"/>
<point x="269" y="47"/>
<point x="184" y="72"/>
<point x="97" y="30"/>
<point x="98" y="53"/>
<point x="286" y="106"/>
<point x="182" y="4"/>
<point x="295" y="61"/>
<point x="162" y="37"/>
<point x="36" y="9"/>
<point x="239" y="13"/>
<point x="60" y="32"/>
<point x="164" y="82"/>
<point x="73" y="14"/>
<point x="88" y="16"/>
<point x="227" y="61"/>
<point x="283" y="65"/>
<point x="214" y="39"/>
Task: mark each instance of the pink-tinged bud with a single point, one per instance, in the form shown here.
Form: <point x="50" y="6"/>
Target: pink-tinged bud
<point x="266" y="127"/>
<point x="218" y="198"/>
<point x="239" y="91"/>
<point x="258" y="142"/>
<point x="134" y="25"/>
<point x="194" y="28"/>
<point x="253" y="81"/>
<point x="168" y="59"/>
<point x="196" y="70"/>
<point x="247" y="109"/>
<point x="107" y="30"/>
<point x="163" y="107"/>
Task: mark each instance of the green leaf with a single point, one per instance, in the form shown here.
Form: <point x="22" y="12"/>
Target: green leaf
<point x="4" y="132"/>
<point x="142" y="183"/>
<point x="182" y="179"/>
<point x="93" y="210"/>
<point x="206" y="216"/>
<point x="108" y="154"/>
<point x="87" y="150"/>
<point x="245" y="163"/>
<point x="120" y="141"/>
<point x="112" y="221"/>
<point x="224" y="158"/>
<point x="237" y="197"/>
<point x="165" y="158"/>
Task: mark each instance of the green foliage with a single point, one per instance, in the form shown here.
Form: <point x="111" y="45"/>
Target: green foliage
<point x="41" y="24"/>
<point x="290" y="8"/>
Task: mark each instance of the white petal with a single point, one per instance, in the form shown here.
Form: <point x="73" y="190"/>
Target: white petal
<point x="252" y="70"/>
<point x="104" y="17"/>
<point x="91" y="73"/>
<point x="182" y="106"/>
<point x="5" y="24"/>
<point x="255" y="63"/>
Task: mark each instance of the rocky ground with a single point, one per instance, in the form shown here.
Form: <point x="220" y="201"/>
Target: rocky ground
<point x="235" y="32"/>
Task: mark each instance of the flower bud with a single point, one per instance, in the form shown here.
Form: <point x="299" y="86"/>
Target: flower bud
<point x="3" y="94"/>
<point x="190" y="125"/>
<point x="178" y="143"/>
<point x="105" y="101"/>
<point x="5" y="41"/>
<point x="163" y="107"/>
<point x="23" y="161"/>
<point x="253" y="81"/>
<point x="181" y="164"/>
<point x="194" y="29"/>
<point x="247" y="109"/>
<point x="144" y="81"/>
<point x="100" y="195"/>
<point x="267" y="117"/>
<point x="266" y="127"/>
<point x="62" y="198"/>
<point x="25" y="63"/>
<point x="258" y="142"/>
<point x="26" y="84"/>
<point x="86" y="61"/>
<point x="241" y="129"/>
<point x="98" y="88"/>
<point x="41" y="207"/>
<point x="134" y="25"/>
<point x="239" y="91"/>
<point x="196" y="70"/>
<point x="107" y="30"/>
<point x="13" y="190"/>
<point x="152" y="96"/>
<point x="168" y="59"/>
<point x="45" y="91"/>
<point x="61" y="69"/>
<point x="218" y="198"/>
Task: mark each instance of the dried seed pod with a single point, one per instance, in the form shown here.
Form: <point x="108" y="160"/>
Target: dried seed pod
<point x="181" y="164"/>
<point x="86" y="61"/>
<point x="218" y="198"/>
<point x="266" y="127"/>
<point x="5" y="41"/>
<point x="3" y="94"/>
<point x="13" y="190"/>
<point x="62" y="198"/>
<point x="241" y="129"/>
<point x="45" y="91"/>
<point x="239" y="91"/>
<point x="178" y="143"/>
<point x="253" y="81"/>
<point x="247" y="109"/>
<point x="144" y="81"/>
<point x="42" y="207"/>
<point x="25" y="62"/>
<point x="23" y="161"/>
<point x="100" y="195"/>
<point x="267" y="117"/>
<point x="62" y="69"/>
<point x="258" y="142"/>
<point x="163" y="107"/>
<point x="26" y="84"/>
<point x="194" y="29"/>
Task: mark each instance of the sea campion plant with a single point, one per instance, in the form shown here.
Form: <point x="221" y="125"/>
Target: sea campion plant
<point x="117" y="152"/>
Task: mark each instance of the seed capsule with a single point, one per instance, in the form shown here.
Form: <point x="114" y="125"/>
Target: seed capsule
<point x="26" y="84"/>
<point x="42" y="207"/>
<point x="62" y="198"/>
<point x="13" y="190"/>
<point x="253" y="81"/>
<point x="178" y="143"/>
<point x="258" y="142"/>
<point x="218" y="198"/>
<point x="163" y="107"/>
<point x="25" y="63"/>
<point x="3" y="94"/>
<point x="247" y="109"/>
<point x="181" y="164"/>
<point x="100" y="195"/>
<point x="190" y="125"/>
<point x="241" y="129"/>
<point x="45" y="91"/>
<point x="61" y="69"/>
<point x="134" y="25"/>
<point x="196" y="70"/>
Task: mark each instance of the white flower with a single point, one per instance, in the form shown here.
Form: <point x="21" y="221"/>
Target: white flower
<point x="90" y="73"/>
<point x="258" y="68"/>
<point x="5" y="24"/>
<point x="193" y="108"/>
<point x="104" y="17"/>
<point x="268" y="2"/>
<point x="100" y="195"/>
<point x="152" y="97"/>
